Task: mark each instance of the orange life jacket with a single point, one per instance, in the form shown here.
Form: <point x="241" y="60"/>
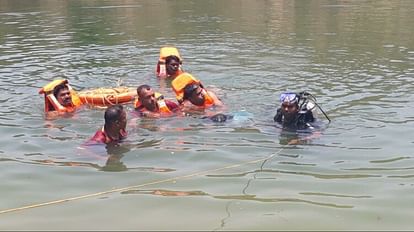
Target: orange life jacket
<point x="180" y="82"/>
<point x="161" y="70"/>
<point x="208" y="100"/>
<point x="184" y="79"/>
<point x="52" y="104"/>
<point x="162" y="106"/>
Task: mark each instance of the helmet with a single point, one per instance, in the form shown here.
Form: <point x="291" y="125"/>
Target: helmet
<point x="289" y="97"/>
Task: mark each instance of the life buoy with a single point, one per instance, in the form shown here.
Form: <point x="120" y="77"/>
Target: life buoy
<point x="161" y="70"/>
<point x="52" y="104"/>
<point x="104" y="97"/>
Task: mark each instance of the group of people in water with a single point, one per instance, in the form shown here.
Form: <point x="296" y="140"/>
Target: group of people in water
<point x="192" y="97"/>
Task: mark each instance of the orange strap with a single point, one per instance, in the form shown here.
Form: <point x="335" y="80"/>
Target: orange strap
<point x="208" y="100"/>
<point x="162" y="106"/>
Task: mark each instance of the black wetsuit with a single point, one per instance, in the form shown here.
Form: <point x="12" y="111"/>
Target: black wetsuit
<point x="301" y="121"/>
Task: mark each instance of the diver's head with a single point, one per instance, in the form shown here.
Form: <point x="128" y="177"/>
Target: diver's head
<point x="289" y="105"/>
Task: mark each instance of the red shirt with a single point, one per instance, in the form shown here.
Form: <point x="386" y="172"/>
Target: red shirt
<point x="171" y="105"/>
<point x="101" y="137"/>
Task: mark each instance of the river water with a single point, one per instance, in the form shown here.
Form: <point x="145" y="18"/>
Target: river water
<point x="356" y="57"/>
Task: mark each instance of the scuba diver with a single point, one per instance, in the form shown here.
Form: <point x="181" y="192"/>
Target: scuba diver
<point x="295" y="112"/>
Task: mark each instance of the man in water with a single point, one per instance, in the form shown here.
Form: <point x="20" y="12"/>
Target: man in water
<point x="197" y="96"/>
<point x="173" y="66"/>
<point x="194" y="98"/>
<point x="152" y="104"/>
<point x="63" y="95"/>
<point x="114" y="129"/>
<point x="292" y="116"/>
<point x="59" y="98"/>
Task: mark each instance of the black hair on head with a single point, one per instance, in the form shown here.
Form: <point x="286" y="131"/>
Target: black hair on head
<point x="58" y="88"/>
<point x="113" y="113"/>
<point x="168" y="59"/>
<point x="189" y="89"/>
<point x="141" y="87"/>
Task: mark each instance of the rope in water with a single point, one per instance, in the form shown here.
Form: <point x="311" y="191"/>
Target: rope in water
<point x="139" y="185"/>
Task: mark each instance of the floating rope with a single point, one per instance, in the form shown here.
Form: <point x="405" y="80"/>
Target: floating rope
<point x="140" y="185"/>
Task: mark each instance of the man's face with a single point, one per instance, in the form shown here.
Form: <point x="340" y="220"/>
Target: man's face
<point x="197" y="96"/>
<point x="148" y="100"/>
<point x="172" y="67"/>
<point x="64" y="97"/>
<point x="289" y="110"/>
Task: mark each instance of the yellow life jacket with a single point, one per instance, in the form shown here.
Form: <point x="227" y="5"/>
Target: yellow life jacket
<point x="180" y="82"/>
<point x="52" y="104"/>
<point x="161" y="70"/>
<point x="162" y="106"/>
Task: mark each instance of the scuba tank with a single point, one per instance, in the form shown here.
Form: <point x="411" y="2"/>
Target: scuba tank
<point x="307" y="102"/>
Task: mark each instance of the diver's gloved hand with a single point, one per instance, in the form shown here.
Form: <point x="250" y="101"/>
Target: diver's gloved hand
<point x="220" y="117"/>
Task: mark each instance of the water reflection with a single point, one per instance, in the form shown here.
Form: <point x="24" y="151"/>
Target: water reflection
<point x="245" y="197"/>
<point x="224" y="220"/>
<point x="333" y="195"/>
<point x="287" y="137"/>
<point x="353" y="175"/>
<point x="165" y="193"/>
<point x="116" y="151"/>
<point x="113" y="163"/>
<point x="97" y="156"/>
<point x="275" y="199"/>
<point x="115" y="154"/>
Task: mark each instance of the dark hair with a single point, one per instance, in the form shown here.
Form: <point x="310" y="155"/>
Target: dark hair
<point x="58" y="88"/>
<point x="141" y="87"/>
<point x="189" y="89"/>
<point x="113" y="113"/>
<point x="172" y="57"/>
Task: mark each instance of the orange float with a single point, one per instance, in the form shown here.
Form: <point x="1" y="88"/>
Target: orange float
<point x="103" y="97"/>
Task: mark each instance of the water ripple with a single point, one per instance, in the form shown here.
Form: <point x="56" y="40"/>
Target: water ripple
<point x="282" y="200"/>
<point x="316" y="175"/>
<point x="333" y="195"/>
